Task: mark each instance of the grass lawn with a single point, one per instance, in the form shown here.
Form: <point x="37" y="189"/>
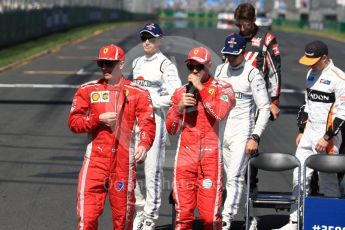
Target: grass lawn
<point x="15" y="54"/>
<point x="31" y="49"/>
<point x="321" y="33"/>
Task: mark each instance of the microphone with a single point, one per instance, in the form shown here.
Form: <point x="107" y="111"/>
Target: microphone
<point x="191" y="89"/>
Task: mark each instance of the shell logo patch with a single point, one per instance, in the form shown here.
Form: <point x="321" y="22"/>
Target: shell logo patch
<point x="94" y="97"/>
<point x="196" y="52"/>
<point x="211" y="91"/>
<point x="105" y="50"/>
<point x="126" y="92"/>
<point x="100" y="96"/>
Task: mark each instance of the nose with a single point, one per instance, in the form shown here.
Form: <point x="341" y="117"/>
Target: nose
<point x="195" y="70"/>
<point x="242" y="28"/>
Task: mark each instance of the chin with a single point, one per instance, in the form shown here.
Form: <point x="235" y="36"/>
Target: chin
<point x="148" y="51"/>
<point x="107" y="76"/>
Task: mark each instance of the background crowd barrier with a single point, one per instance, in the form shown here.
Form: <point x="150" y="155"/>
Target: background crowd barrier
<point x="19" y="26"/>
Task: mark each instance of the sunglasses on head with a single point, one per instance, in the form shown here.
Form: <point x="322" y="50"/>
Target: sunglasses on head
<point x="198" y="67"/>
<point x="107" y="64"/>
<point x="145" y="37"/>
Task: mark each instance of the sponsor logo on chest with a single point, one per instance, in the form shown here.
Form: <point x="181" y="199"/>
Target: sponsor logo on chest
<point x="319" y="96"/>
<point x="316" y="96"/>
<point x="324" y="81"/>
<point x="99" y="96"/>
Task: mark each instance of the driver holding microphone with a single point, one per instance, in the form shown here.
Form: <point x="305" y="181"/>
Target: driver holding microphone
<point x="198" y="171"/>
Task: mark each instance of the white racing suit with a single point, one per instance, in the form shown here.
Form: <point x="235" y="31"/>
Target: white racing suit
<point x="251" y="94"/>
<point x="325" y="100"/>
<point x="160" y="77"/>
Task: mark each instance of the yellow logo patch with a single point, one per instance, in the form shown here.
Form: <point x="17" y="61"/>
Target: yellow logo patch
<point x="211" y="91"/>
<point x="105" y="50"/>
<point x="95" y="97"/>
<point x="100" y="96"/>
<point x="196" y="52"/>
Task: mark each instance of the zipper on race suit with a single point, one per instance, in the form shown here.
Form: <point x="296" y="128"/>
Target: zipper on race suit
<point x="116" y="101"/>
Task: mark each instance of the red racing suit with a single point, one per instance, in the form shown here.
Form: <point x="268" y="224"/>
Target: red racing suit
<point x="198" y="171"/>
<point x="108" y="165"/>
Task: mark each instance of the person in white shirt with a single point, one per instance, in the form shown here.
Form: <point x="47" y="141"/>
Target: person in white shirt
<point x="156" y="73"/>
<point x="322" y="120"/>
<point x="242" y="131"/>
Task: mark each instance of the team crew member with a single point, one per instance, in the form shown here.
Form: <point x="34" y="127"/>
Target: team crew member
<point x="261" y="51"/>
<point x="107" y="109"/>
<point x="198" y="171"/>
<point x="324" y="116"/>
<point x="159" y="76"/>
<point x="242" y="133"/>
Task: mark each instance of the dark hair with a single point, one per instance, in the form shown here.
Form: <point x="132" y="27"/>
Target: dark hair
<point x="245" y="11"/>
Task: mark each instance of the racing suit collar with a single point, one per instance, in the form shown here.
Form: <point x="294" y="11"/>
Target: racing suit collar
<point x="330" y="65"/>
<point x="110" y="86"/>
<point x="152" y="57"/>
<point x="209" y="81"/>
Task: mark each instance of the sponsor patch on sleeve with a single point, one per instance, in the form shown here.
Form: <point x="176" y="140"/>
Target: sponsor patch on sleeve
<point x="269" y="37"/>
<point x="275" y="50"/>
<point x="260" y="87"/>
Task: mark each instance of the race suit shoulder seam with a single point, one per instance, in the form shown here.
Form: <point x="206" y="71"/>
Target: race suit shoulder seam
<point x="220" y="71"/>
<point x="250" y="72"/>
<point x="135" y="62"/>
<point x="338" y="74"/>
<point x="137" y="87"/>
<point x="90" y="83"/>
<point x="161" y="68"/>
